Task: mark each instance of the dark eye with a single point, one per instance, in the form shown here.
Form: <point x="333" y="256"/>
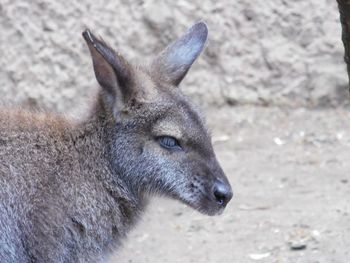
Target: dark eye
<point x="169" y="143"/>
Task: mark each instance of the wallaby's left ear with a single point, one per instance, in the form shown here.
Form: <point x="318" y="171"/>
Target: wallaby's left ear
<point x="173" y="63"/>
<point x="112" y="72"/>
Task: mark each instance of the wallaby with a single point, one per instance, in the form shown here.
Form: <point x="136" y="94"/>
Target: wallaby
<point x="70" y="192"/>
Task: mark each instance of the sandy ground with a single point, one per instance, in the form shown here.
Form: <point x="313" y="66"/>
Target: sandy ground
<point x="290" y="173"/>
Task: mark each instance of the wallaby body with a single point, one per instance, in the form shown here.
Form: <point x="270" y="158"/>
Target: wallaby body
<point x="59" y="199"/>
<point x="69" y="192"/>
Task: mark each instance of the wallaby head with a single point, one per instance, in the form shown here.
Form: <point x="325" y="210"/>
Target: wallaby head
<point x="158" y="142"/>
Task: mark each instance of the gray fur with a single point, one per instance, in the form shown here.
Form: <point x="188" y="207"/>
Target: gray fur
<point x="70" y="192"/>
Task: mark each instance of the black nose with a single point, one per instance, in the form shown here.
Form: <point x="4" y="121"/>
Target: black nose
<point x="222" y="192"/>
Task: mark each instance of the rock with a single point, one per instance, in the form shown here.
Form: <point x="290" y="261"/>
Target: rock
<point x="281" y="53"/>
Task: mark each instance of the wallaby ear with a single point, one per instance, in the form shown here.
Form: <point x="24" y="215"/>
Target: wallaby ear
<point x="173" y="63"/>
<point x="112" y="72"/>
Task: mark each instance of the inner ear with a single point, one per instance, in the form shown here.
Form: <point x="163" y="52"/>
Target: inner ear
<point x="106" y="77"/>
<point x="172" y="64"/>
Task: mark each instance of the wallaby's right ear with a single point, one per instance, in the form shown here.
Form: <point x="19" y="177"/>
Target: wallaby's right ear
<point x="172" y="64"/>
<point x="112" y="72"/>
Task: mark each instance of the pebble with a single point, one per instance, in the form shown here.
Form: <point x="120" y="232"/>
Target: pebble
<point x="259" y="256"/>
<point x="297" y="245"/>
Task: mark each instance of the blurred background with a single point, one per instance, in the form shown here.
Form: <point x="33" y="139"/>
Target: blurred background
<point x="273" y="85"/>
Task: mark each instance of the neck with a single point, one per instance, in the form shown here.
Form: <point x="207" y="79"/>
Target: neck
<point x="92" y="141"/>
